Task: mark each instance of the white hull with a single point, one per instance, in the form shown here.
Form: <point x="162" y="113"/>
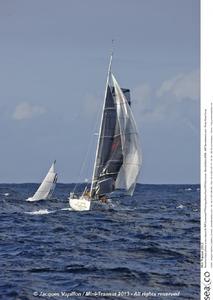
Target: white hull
<point x="31" y="199"/>
<point x="80" y="204"/>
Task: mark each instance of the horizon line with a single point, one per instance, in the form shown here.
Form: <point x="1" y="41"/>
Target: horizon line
<point x="90" y="183"/>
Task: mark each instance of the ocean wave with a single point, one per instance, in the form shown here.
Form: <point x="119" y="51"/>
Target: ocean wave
<point x="149" y="241"/>
<point x="40" y="212"/>
<point x="181" y="206"/>
<point x="67" y="208"/>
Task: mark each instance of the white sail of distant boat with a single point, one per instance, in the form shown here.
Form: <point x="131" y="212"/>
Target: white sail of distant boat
<point x="47" y="186"/>
<point x="118" y="155"/>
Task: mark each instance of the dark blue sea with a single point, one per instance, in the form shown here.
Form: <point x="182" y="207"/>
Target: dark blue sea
<point x="144" y="247"/>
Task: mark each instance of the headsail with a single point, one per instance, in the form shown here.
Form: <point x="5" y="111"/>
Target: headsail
<point x="118" y="158"/>
<point x="132" y="158"/>
<point x="47" y="186"/>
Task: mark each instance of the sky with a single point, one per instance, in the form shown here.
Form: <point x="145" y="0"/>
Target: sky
<point x="54" y="56"/>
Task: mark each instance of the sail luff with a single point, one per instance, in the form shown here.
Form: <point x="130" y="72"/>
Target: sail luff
<point x="99" y="135"/>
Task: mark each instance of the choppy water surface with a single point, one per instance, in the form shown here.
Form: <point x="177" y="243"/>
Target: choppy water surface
<point x="147" y="244"/>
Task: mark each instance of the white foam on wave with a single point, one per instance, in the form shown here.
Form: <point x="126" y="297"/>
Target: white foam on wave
<point x="46" y="211"/>
<point x="188" y="189"/>
<point x="6" y="194"/>
<point x="40" y="212"/>
<point x="66" y="208"/>
<point x="180" y="206"/>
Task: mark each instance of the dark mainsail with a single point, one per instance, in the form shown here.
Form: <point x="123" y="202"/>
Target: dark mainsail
<point x="126" y="93"/>
<point x="109" y="156"/>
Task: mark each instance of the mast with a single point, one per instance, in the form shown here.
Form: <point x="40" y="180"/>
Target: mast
<point x="99" y="134"/>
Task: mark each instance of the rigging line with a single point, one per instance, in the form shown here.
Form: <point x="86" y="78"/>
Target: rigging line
<point x="87" y="152"/>
<point x="102" y="115"/>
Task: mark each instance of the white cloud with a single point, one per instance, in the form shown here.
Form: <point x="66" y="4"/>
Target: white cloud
<point x="176" y="100"/>
<point x="145" y="105"/>
<point x="25" y="110"/>
<point x="182" y="86"/>
<point x="141" y="96"/>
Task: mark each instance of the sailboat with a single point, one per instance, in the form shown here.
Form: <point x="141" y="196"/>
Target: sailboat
<point x="47" y="186"/>
<point x="118" y="156"/>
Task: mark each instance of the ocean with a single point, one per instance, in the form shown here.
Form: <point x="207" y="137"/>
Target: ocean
<point x="141" y="247"/>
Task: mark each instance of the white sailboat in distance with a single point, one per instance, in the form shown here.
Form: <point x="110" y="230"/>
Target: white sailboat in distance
<point x="47" y="186"/>
<point x="118" y="154"/>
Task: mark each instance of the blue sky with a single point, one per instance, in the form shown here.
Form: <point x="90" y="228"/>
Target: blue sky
<point x="54" y="57"/>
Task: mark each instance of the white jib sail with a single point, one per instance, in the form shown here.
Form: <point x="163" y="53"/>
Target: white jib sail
<point x="132" y="158"/>
<point x="47" y="186"/>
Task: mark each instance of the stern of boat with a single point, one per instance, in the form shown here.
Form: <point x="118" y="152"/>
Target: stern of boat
<point x="80" y="204"/>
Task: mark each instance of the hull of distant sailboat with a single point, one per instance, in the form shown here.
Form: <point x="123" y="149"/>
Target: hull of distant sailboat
<point x="80" y="204"/>
<point x="31" y="199"/>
